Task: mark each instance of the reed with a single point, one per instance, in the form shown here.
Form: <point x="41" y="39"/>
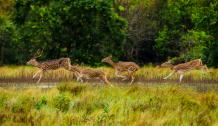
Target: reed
<point x="146" y="73"/>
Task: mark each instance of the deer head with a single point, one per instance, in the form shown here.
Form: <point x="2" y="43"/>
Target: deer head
<point x="107" y="59"/>
<point x="33" y="61"/>
<point x="167" y="64"/>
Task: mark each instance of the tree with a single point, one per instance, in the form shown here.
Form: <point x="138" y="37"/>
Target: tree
<point x="205" y="18"/>
<point x="85" y="30"/>
<point x="6" y="32"/>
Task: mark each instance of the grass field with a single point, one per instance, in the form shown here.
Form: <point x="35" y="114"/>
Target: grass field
<point x="25" y="73"/>
<point x="145" y="103"/>
<point x="83" y="104"/>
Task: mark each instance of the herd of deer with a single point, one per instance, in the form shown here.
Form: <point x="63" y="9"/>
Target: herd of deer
<point x="124" y="70"/>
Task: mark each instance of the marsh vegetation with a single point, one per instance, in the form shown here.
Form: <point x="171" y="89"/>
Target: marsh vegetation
<point x="144" y="74"/>
<point x="84" y="104"/>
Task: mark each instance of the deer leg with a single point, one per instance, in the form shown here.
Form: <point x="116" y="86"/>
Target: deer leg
<point x="68" y="64"/>
<point x="180" y="78"/>
<point x="203" y="72"/>
<point x="79" y="78"/>
<point x="132" y="79"/>
<point x="130" y="75"/>
<point x="118" y="74"/>
<point x="124" y="78"/>
<point x="36" y="73"/>
<point x="104" y="79"/>
<point x="40" y="77"/>
<point x="169" y="75"/>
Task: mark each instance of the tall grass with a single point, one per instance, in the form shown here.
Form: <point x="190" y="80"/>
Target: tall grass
<point x="25" y="73"/>
<point x="82" y="104"/>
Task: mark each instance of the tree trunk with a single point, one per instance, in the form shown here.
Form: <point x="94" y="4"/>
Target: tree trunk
<point x="1" y="55"/>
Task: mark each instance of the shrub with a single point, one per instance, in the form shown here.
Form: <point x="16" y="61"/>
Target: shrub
<point x="42" y="101"/>
<point x="62" y="102"/>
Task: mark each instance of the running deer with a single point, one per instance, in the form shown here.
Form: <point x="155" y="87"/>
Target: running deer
<point x="81" y="73"/>
<point x="182" y="68"/>
<point x="49" y="65"/>
<point x="122" y="67"/>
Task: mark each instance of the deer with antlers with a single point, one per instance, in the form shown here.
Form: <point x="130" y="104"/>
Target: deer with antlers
<point x="48" y="65"/>
<point x="122" y="67"/>
<point x="82" y="73"/>
<point x="182" y="68"/>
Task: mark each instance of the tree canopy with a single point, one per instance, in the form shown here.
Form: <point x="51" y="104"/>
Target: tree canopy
<point x="146" y="31"/>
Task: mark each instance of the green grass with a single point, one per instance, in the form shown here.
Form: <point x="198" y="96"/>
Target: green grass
<point x="145" y="73"/>
<point x="83" y="104"/>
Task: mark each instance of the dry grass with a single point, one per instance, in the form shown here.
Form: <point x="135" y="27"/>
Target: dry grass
<point x="82" y="104"/>
<point x="25" y="73"/>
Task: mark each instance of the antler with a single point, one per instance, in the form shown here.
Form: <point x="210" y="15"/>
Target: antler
<point x="38" y="53"/>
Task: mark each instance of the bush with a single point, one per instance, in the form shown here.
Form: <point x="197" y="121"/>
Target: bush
<point x="62" y="102"/>
<point x="42" y="101"/>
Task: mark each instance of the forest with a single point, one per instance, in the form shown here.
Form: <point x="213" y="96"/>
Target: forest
<point x="144" y="31"/>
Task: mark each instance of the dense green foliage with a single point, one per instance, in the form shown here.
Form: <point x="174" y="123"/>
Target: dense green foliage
<point x="184" y="29"/>
<point x="87" y="30"/>
<point x="103" y="105"/>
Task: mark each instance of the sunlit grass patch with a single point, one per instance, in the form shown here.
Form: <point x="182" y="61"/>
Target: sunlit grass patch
<point x="146" y="73"/>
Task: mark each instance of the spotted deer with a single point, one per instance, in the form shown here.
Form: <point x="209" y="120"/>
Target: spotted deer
<point x="182" y="68"/>
<point x="81" y="73"/>
<point x="49" y="65"/>
<point x="122" y="67"/>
